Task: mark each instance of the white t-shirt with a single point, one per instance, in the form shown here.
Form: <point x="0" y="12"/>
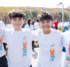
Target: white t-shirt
<point x="36" y="25"/>
<point x="66" y="42"/>
<point x="50" y="48"/>
<point x="19" y="47"/>
<point x="2" y="28"/>
<point x="29" y="27"/>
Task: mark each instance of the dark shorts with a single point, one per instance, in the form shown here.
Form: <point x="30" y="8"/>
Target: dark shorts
<point x="56" y="28"/>
<point x="30" y="66"/>
<point x="64" y="50"/>
<point x="3" y="62"/>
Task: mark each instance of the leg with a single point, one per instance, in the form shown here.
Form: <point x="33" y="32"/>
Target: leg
<point x="32" y="45"/>
<point x="3" y="62"/>
<point x="30" y="65"/>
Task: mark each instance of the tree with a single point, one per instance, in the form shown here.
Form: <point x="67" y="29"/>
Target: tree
<point x="34" y="15"/>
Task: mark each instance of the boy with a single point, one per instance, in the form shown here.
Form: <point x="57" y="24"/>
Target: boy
<point x="19" y="41"/>
<point x="3" y="60"/>
<point x="66" y="42"/>
<point x="50" y="47"/>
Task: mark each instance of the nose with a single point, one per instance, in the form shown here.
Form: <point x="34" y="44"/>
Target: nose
<point x="45" y="23"/>
<point x="17" y="21"/>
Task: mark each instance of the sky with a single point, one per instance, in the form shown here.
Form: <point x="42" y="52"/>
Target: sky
<point x="34" y="3"/>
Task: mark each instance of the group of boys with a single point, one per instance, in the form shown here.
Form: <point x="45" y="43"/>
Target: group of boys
<point x="19" y="42"/>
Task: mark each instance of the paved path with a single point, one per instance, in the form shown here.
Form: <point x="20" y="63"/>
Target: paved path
<point x="34" y="56"/>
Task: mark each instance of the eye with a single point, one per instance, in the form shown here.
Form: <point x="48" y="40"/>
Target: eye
<point x="19" y="18"/>
<point x="14" y="19"/>
<point x="42" y="22"/>
<point x="48" y="22"/>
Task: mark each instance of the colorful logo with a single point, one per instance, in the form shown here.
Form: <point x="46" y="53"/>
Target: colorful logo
<point x="1" y="33"/>
<point x="0" y="40"/>
<point x="24" y="47"/>
<point x="68" y="58"/>
<point x="52" y="53"/>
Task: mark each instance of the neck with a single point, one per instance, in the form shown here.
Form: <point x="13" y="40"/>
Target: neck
<point x="46" y="32"/>
<point x="18" y="29"/>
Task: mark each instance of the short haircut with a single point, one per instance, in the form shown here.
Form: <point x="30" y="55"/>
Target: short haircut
<point x="45" y="16"/>
<point x="37" y="20"/>
<point x="16" y="13"/>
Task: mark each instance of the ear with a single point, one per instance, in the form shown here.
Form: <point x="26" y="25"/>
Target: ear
<point x="11" y="21"/>
<point x="23" y="21"/>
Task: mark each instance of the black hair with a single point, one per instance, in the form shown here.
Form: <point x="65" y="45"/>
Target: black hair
<point x="28" y="21"/>
<point x="37" y="20"/>
<point x="45" y="16"/>
<point x="16" y="13"/>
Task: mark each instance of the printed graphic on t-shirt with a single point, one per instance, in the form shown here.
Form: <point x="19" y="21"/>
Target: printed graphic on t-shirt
<point x="68" y="58"/>
<point x="24" y="47"/>
<point x="52" y="53"/>
<point x="1" y="34"/>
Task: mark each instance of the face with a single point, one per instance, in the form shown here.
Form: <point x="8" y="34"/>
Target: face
<point x="46" y="25"/>
<point x="30" y="22"/>
<point x="17" y="23"/>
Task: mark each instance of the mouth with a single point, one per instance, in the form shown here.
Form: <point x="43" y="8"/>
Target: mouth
<point x="18" y="24"/>
<point x="45" y="26"/>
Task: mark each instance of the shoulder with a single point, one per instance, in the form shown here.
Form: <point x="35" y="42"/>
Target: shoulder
<point x="26" y="30"/>
<point x="35" y="23"/>
<point x="38" y="31"/>
<point x="1" y="23"/>
<point x="67" y="32"/>
<point x="57" y="32"/>
<point x="8" y="30"/>
<point x="31" y="25"/>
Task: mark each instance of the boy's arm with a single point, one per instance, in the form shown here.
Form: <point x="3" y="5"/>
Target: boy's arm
<point x="63" y="40"/>
<point x="4" y="36"/>
<point x="33" y="35"/>
<point x="2" y="29"/>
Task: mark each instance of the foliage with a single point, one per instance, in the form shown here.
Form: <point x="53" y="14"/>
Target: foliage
<point x="33" y="12"/>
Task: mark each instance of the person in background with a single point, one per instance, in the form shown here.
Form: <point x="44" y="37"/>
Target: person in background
<point x="3" y="60"/>
<point x="56" y="24"/>
<point x="33" y="41"/>
<point x="36" y="25"/>
<point x="66" y="42"/>
<point x="33" y="23"/>
<point x="29" y="25"/>
<point x="64" y="30"/>
<point x="24" y="25"/>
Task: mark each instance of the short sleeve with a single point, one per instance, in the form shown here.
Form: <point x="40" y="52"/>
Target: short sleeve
<point x="63" y="40"/>
<point x="2" y="25"/>
<point x="4" y="36"/>
<point x="33" y="35"/>
<point x="36" y="34"/>
<point x="2" y="28"/>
